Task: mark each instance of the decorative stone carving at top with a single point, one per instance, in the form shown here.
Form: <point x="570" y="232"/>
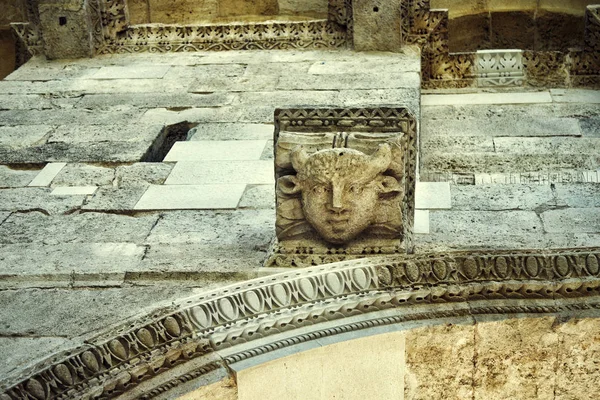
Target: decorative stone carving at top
<point x="345" y="184"/>
<point x="499" y="68"/>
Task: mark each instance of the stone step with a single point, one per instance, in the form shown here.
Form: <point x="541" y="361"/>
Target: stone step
<point x="520" y="111"/>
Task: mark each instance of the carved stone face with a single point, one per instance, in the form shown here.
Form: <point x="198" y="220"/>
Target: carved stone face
<point x="340" y="189"/>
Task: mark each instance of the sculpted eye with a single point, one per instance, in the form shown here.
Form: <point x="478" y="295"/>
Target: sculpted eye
<point x="320" y="189"/>
<point x="356" y="189"/>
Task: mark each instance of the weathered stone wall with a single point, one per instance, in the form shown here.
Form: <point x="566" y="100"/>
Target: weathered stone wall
<point x="203" y="11"/>
<point x="528" y="358"/>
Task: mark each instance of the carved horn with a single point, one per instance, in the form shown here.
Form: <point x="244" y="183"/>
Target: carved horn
<point x="299" y="157"/>
<point x="381" y="159"/>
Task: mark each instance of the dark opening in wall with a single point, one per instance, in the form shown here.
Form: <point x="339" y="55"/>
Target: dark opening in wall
<point x="7" y="52"/>
<point x="524" y="30"/>
<point x="166" y="139"/>
<point x="62" y="21"/>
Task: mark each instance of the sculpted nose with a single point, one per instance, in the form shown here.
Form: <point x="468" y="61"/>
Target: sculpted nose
<point x="337" y="201"/>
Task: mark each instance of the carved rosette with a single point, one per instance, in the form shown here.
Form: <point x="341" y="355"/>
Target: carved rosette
<point x="363" y="157"/>
<point x="264" y="315"/>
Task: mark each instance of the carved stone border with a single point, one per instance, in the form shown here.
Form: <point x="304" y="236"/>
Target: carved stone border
<point x="374" y="291"/>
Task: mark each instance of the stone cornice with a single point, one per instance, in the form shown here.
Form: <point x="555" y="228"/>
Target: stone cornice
<point x="259" y="316"/>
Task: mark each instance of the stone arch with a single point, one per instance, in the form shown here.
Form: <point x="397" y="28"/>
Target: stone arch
<point x="151" y="355"/>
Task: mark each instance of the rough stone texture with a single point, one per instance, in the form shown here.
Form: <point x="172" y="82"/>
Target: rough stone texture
<point x="590" y="127"/>
<point x="12" y="178"/>
<point x="142" y="174"/>
<point x="469" y="33"/>
<point x="21" y="352"/>
<point x="222" y="390"/>
<point x="503" y="222"/>
<point x="572" y="220"/>
<point x="426" y="348"/>
<point x="516" y="358"/>
<point x="84" y="175"/>
<point x="229" y="131"/>
<point x="67" y="28"/>
<point x="38" y="199"/>
<point x="157" y="100"/>
<point x="258" y="196"/>
<point x="22" y="136"/>
<point x="377" y="25"/>
<point x="504" y="197"/>
<point x="244" y="228"/>
<point x="114" y="199"/>
<point x="512" y="30"/>
<point x="34" y="227"/>
<point x="90" y="264"/>
<point x="504" y="126"/>
<point x="53" y="309"/>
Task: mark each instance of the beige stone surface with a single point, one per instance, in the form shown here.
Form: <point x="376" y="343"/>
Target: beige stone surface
<point x="377" y="25"/>
<point x="516" y="359"/>
<point x="223" y="390"/>
<point x="365" y="368"/>
<point x="439" y="362"/>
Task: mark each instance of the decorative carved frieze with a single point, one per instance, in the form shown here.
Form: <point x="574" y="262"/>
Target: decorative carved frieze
<point x="373" y="292"/>
<point x="345" y="184"/>
<point x="499" y="67"/>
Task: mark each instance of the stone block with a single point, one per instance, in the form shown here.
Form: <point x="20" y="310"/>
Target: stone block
<point x="590" y="127"/>
<point x="505" y="126"/>
<point x="4" y="215"/>
<point x="114" y="199"/>
<point x="578" y="195"/>
<point x="485" y="222"/>
<point x="268" y="152"/>
<point x="284" y="98"/>
<point x="377" y="25"/>
<point x="558" y="31"/>
<point x="432" y="195"/>
<point x="402" y="63"/>
<point x="549" y="145"/>
<point x="142" y="174"/>
<point x="246" y="229"/>
<point x="132" y="71"/>
<point x="578" y="350"/>
<point x="485" y="98"/>
<point x="84" y="134"/>
<point x="182" y="11"/>
<point x="166" y="116"/>
<point x="575" y="96"/>
<point x="156" y="100"/>
<point x="13" y="178"/>
<point x="258" y="196"/>
<point x="519" y="112"/>
<point x="572" y="220"/>
<point x="68" y="116"/>
<point x="235" y="84"/>
<point x="61" y="265"/>
<point x="205" y="71"/>
<point x="89" y="227"/>
<point x="312" y="8"/>
<point x="73" y="190"/>
<point x="116" y="86"/>
<point x="23" y="136"/>
<point x="229" y="131"/>
<point x="221" y="172"/>
<point x="46" y="72"/>
<point x="218" y="261"/>
<point x="433" y="140"/>
<point x="67" y="28"/>
<point x="191" y="197"/>
<point x="409" y="97"/>
<point x="139" y="12"/>
<point x="502" y="197"/>
<point x="469" y="33"/>
<point x="439" y="362"/>
<point x="216" y="150"/>
<point x="83" y="175"/>
<point x="421" y="222"/>
<point x="38" y="199"/>
<point x="19" y="353"/>
<point x="507" y="163"/>
<point x="515" y="358"/>
<point x="36" y="102"/>
<point x="47" y="174"/>
<point x="277" y="68"/>
<point x="70" y="313"/>
<point x="371" y="80"/>
<point x="512" y="30"/>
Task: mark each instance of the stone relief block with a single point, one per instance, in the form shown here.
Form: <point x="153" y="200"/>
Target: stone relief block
<point x="499" y="67"/>
<point x="345" y="182"/>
